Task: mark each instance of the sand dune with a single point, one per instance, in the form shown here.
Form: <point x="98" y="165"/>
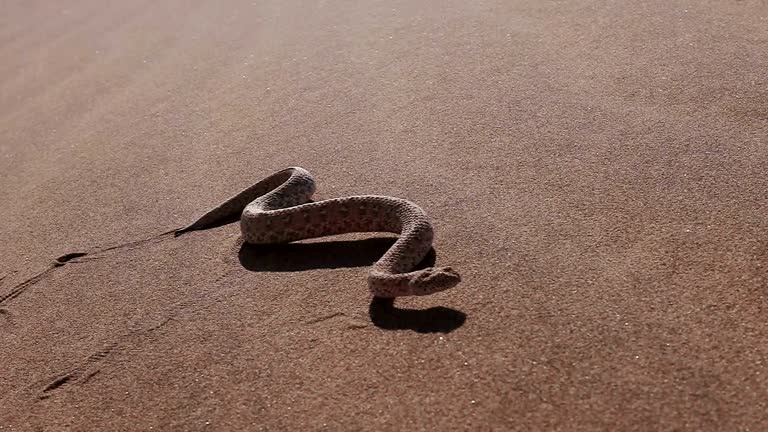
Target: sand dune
<point x="596" y="171"/>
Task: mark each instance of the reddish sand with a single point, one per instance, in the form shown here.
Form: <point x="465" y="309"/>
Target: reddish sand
<point x="597" y="171"/>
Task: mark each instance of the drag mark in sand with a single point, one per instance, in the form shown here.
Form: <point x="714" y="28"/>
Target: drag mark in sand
<point x="79" y="375"/>
<point x="93" y="364"/>
<point x="71" y="258"/>
<point x="18" y="289"/>
<point x="60" y="261"/>
<point x="325" y="318"/>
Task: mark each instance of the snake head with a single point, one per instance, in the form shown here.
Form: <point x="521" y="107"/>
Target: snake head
<point x="433" y="279"/>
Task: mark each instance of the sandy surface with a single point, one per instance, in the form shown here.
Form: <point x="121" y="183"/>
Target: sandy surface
<point x="596" y="170"/>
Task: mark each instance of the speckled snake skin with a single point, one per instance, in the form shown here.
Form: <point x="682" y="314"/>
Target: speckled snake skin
<point x="277" y="210"/>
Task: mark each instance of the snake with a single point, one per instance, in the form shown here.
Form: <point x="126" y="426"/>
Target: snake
<point x="279" y="209"/>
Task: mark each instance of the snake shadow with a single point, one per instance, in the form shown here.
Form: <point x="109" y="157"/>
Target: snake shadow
<point x="334" y="254"/>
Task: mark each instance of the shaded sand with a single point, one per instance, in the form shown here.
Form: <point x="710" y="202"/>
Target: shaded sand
<point x="595" y="170"/>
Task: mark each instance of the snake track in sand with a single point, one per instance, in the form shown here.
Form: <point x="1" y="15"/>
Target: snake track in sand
<point x="277" y="210"/>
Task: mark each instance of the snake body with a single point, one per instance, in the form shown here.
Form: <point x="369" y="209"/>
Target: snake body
<point x="278" y="210"/>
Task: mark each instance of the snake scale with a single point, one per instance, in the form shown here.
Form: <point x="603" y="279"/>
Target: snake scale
<point x="277" y="209"/>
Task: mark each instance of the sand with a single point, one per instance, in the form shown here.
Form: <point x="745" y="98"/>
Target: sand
<point x="597" y="171"/>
